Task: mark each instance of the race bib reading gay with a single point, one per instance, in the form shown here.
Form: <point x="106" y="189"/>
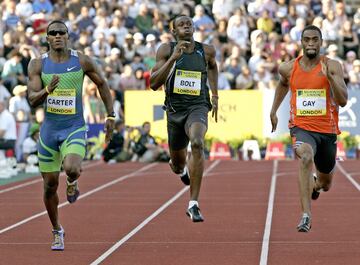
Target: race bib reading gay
<point x="310" y="102"/>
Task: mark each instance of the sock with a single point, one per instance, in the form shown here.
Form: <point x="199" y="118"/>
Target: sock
<point x="185" y="171"/>
<point x="192" y="203"/>
<point x="71" y="183"/>
<point x="306" y="215"/>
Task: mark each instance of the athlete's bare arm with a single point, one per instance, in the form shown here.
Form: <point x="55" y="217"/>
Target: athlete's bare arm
<point x="281" y="90"/>
<point x="36" y="92"/>
<point x="164" y="63"/>
<point x="334" y="72"/>
<point x="92" y="71"/>
<point x="213" y="77"/>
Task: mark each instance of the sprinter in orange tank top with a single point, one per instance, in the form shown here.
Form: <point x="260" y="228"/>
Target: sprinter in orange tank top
<point x="317" y="88"/>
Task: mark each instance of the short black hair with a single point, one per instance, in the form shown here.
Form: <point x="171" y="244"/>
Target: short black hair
<point x="311" y="27"/>
<point x="56" y="22"/>
<point x="172" y="21"/>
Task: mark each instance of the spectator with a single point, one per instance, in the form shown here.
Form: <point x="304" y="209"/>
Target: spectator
<point x="143" y="20"/>
<point x="19" y="103"/>
<point x="348" y="64"/>
<point x="42" y="6"/>
<point x="118" y="149"/>
<point x="29" y="146"/>
<point x="10" y="16"/>
<point x="24" y="9"/>
<point x="13" y="73"/>
<point x="4" y="93"/>
<point x="348" y="38"/>
<point x="265" y="23"/>
<point x="202" y="21"/>
<point x="147" y="148"/>
<point x="354" y="76"/>
<point x="84" y="21"/>
<point x="7" y="129"/>
<point x="245" y="79"/>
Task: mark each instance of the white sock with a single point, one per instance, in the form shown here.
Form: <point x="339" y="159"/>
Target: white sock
<point x="71" y="183"/>
<point x="192" y="203"/>
<point x="185" y="170"/>
<point x="306" y="215"/>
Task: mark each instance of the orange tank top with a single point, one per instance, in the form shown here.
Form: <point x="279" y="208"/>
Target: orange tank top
<point x="312" y="106"/>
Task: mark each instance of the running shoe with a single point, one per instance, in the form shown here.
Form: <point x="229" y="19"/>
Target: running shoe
<point x="194" y="214"/>
<point x="305" y="224"/>
<point x="72" y="191"/>
<point x="185" y="178"/>
<point x="58" y="243"/>
<point x="315" y="194"/>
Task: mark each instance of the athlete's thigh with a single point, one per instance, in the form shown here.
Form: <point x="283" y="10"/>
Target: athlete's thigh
<point x="177" y="137"/>
<point x="197" y="122"/>
<point x="325" y="158"/>
<point x="48" y="150"/>
<point x="300" y="136"/>
<point x="74" y="143"/>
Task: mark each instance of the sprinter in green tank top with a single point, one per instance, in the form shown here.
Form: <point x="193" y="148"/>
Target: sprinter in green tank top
<point x="56" y="80"/>
<point x="184" y="67"/>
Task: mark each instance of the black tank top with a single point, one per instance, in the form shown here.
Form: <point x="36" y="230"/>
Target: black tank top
<point x="186" y="85"/>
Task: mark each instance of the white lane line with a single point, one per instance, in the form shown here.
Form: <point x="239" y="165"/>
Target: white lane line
<point x="80" y="197"/>
<point x="267" y="230"/>
<point x="348" y="176"/>
<point x="147" y="220"/>
<point x="30" y="182"/>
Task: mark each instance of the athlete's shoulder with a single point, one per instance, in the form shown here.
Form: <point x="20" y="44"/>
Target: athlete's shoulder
<point x="209" y="50"/>
<point x="285" y="68"/>
<point x="35" y="65"/>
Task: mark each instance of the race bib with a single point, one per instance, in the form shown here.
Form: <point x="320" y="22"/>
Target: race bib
<point x="310" y="102"/>
<point x="187" y="82"/>
<point x="62" y="101"/>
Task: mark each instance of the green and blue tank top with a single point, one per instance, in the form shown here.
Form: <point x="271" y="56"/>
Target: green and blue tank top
<point x="65" y="104"/>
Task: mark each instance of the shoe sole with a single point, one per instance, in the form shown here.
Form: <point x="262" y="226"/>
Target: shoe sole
<point x="303" y="229"/>
<point x="194" y="220"/>
<point x="57" y="249"/>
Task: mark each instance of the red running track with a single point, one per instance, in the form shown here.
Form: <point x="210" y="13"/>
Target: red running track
<point x="134" y="213"/>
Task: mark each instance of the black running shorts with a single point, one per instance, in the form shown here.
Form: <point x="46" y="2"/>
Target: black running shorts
<point x="179" y="122"/>
<point x="323" y="145"/>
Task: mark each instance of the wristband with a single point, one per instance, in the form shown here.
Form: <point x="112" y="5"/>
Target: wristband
<point x="215" y="96"/>
<point x="109" y="118"/>
<point x="47" y="90"/>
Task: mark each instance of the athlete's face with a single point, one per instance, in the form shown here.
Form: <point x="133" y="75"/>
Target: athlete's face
<point x="311" y="42"/>
<point x="57" y="36"/>
<point x="183" y="28"/>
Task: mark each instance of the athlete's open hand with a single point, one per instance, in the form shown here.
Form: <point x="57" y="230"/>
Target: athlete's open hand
<point x="214" y="102"/>
<point x="109" y="129"/>
<point x="53" y="83"/>
<point x="179" y="48"/>
<point x="274" y="121"/>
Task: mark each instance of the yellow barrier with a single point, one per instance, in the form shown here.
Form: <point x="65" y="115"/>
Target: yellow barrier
<point x="240" y="113"/>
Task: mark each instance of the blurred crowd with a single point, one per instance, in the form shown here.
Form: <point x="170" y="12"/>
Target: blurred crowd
<point x="251" y="39"/>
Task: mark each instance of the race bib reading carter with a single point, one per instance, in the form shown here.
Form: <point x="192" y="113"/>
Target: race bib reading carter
<point x="62" y="101"/>
<point x="187" y="82"/>
<point x="310" y="102"/>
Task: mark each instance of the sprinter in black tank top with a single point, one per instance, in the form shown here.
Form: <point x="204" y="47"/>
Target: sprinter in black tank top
<point x="184" y="67"/>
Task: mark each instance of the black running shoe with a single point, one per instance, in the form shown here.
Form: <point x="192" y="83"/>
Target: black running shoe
<point x="194" y="214"/>
<point x="305" y="224"/>
<point x="185" y="177"/>
<point x="315" y="194"/>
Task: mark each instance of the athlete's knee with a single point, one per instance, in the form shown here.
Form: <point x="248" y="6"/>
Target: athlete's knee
<point x="72" y="171"/>
<point x="177" y="168"/>
<point x="197" y="144"/>
<point x="306" y="154"/>
<point x="50" y="186"/>
<point x="326" y="184"/>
